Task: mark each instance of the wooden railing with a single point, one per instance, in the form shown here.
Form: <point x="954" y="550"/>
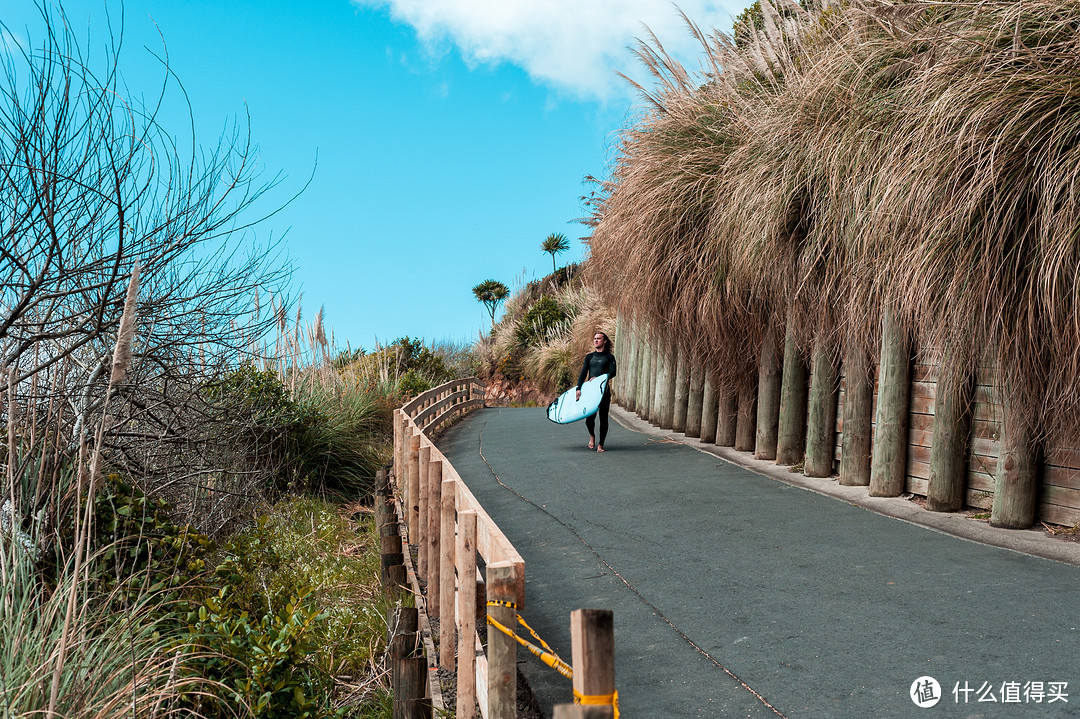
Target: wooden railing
<point x="448" y="528"/>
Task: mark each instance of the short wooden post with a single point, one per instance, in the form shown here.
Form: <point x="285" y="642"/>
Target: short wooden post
<point x="858" y="418"/>
<point x="420" y="538"/>
<point x="681" y="395"/>
<point x="791" y="428"/>
<point x="770" y="378"/>
<point x="949" y="448"/>
<point x="502" y="649"/>
<point x="408" y="667"/>
<point x="1016" y="485"/>
<point x="412" y="497"/>
<point x="592" y="638"/>
<point x="708" y="407"/>
<point x="695" y="400"/>
<point x="466" y="656"/>
<point x="747" y="417"/>
<point x="447" y="554"/>
<point x="821" y="413"/>
<point x="888" y="464"/>
<point x="433" y="536"/>
<point x="402" y="634"/>
<point x="727" y="413"/>
<point x="390" y="555"/>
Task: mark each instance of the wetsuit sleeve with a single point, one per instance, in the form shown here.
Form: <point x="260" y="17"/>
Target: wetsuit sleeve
<point x="584" y="372"/>
<point x="611" y="374"/>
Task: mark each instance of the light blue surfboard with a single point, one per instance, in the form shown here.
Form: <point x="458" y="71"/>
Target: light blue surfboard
<point x="566" y="408"/>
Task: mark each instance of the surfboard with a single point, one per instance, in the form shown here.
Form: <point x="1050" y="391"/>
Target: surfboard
<point x="567" y="408"/>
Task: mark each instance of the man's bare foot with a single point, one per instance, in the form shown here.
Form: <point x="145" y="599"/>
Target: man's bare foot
<point x="601" y="449"/>
<point x="592" y="444"/>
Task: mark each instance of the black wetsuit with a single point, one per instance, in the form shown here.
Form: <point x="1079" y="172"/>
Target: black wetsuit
<point x="596" y="364"/>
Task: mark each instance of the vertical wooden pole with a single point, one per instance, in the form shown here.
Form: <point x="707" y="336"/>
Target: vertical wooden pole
<point x="791" y="428"/>
<point x="618" y="392"/>
<point x="681" y="395"/>
<point x="727" y="417"/>
<point x="396" y="421"/>
<point x="696" y="399"/>
<point x="447" y="562"/>
<point x="466" y="571"/>
<point x="1017" y="483"/>
<point x="502" y="649"/>
<point x="671" y="375"/>
<point x="433" y="536"/>
<point x="747" y="418"/>
<point x="770" y="379"/>
<point x="628" y="368"/>
<point x="708" y="408"/>
<point x="646" y="372"/>
<point x="888" y="464"/>
<point x="858" y="418"/>
<point x="412" y="496"/>
<point x="821" y="413"/>
<point x="592" y="638"/>
<point x="660" y="388"/>
<point x="949" y="448"/>
<point x="420" y="539"/>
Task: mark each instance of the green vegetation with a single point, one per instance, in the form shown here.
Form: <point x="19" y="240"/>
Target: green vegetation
<point x="491" y="293"/>
<point x="555" y="244"/>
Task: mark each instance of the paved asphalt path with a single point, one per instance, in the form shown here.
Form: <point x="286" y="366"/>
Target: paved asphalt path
<point x="738" y="595"/>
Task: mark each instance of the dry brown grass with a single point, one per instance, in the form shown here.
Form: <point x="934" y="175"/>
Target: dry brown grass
<point x="919" y="154"/>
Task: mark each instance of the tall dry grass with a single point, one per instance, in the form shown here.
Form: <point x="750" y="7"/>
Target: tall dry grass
<point x="922" y="155"/>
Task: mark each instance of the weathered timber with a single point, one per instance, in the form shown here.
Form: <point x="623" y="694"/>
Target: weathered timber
<point x="708" y="408"/>
<point x="949" y="448"/>
<point x="592" y="640"/>
<point x="858" y="418"/>
<point x="419" y="539"/>
<point x="645" y="373"/>
<point x="433" y="536"/>
<point x="681" y="395"/>
<point x="502" y="649"/>
<point x="888" y="464"/>
<point x="1017" y="482"/>
<point x="746" y="421"/>
<point x="821" y="413"/>
<point x="447" y="555"/>
<point x="669" y="362"/>
<point x="770" y="379"/>
<point x="466" y="658"/>
<point x="409" y="683"/>
<point x="695" y="400"/>
<point x="791" y="426"/>
<point x="412" y="497"/>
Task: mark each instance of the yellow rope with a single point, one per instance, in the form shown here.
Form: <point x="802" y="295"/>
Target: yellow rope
<point x="611" y="700"/>
<point x="548" y="658"/>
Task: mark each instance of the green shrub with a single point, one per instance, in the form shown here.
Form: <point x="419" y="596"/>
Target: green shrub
<point x="542" y="315"/>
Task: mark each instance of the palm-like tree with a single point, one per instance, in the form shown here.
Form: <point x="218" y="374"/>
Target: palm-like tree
<point x="556" y="243"/>
<point x="491" y="293"/>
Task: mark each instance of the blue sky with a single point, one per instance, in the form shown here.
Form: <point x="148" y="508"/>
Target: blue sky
<point x="445" y="139"/>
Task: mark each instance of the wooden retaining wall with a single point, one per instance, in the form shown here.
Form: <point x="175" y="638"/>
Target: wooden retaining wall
<point x="1058" y="494"/>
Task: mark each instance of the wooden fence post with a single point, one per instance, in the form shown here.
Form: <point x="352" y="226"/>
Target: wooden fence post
<point x="727" y="413"/>
<point x="821" y="413"/>
<point x="502" y="649"/>
<point x="696" y="400"/>
<point x="592" y="638"/>
<point x="447" y="562"/>
<point x="630" y="354"/>
<point x="949" y="447"/>
<point x="747" y="418"/>
<point x="396" y="423"/>
<point x="858" y="418"/>
<point x="888" y="463"/>
<point x="708" y="408"/>
<point x="466" y="595"/>
<point x="768" y="401"/>
<point x="791" y="427"/>
<point x="433" y="536"/>
<point x="645" y="373"/>
<point x="1016" y="485"/>
<point x="660" y="385"/>
<point x="681" y="395"/>
<point x="412" y="497"/>
<point x="420" y="538"/>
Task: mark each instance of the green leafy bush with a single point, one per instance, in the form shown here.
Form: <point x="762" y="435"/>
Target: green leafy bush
<point x="261" y="662"/>
<point x="541" y="315"/>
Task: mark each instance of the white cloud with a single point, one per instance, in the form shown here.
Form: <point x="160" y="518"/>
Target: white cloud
<point x="573" y="45"/>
